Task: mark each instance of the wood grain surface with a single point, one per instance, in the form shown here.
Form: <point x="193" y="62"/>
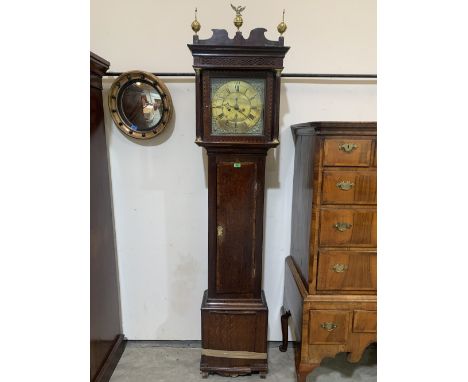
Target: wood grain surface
<point x="331" y="275"/>
<point x="105" y="320"/>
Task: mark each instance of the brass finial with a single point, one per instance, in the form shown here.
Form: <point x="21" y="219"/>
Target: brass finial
<point x="196" y="26"/>
<point x="238" y="19"/>
<point x="282" y="25"/>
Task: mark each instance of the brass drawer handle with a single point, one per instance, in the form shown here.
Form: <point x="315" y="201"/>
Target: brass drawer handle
<point x="340" y="268"/>
<point x="329" y="326"/>
<point x="342" y="226"/>
<point x="345" y="185"/>
<point x="347" y="147"/>
<point x="220" y="230"/>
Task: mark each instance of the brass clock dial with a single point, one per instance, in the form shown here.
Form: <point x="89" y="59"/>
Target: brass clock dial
<point x="237" y="106"/>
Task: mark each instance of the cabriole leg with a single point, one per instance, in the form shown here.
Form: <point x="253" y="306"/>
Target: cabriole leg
<point x="284" y="329"/>
<point x="304" y="370"/>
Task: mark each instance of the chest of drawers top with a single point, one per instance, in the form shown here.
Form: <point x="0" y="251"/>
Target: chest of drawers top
<point x="335" y="128"/>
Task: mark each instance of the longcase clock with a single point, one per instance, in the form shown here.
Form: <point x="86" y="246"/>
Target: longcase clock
<point x="237" y="111"/>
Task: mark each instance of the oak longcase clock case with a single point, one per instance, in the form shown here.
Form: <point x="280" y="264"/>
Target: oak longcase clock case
<point x="237" y="99"/>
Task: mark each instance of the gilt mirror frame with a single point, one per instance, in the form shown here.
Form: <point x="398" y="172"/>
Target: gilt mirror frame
<point x="140" y="104"/>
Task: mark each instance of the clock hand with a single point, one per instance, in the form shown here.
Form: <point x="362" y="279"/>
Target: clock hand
<point x="242" y="113"/>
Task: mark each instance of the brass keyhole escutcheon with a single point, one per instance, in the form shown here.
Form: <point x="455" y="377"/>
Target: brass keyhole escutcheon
<point x="345" y="185"/>
<point x="340" y="268"/>
<point x="340" y="226"/>
<point x="329" y="326"/>
<point x="220" y="230"/>
<point x="347" y="147"/>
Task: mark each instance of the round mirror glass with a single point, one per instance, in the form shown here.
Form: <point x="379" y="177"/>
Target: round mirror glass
<point x="141" y="104"/>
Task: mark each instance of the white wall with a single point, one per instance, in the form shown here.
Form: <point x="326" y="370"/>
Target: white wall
<point x="159" y="186"/>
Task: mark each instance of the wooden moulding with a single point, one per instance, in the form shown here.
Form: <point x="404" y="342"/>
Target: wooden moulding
<point x="297" y="277"/>
<point x="98" y="67"/>
<point x="257" y="37"/>
<point x="233" y="354"/>
<point x="334" y="128"/>
<point x="254" y="52"/>
<point x="112" y="359"/>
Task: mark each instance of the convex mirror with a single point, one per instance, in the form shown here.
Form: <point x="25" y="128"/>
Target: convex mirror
<point x="140" y="104"/>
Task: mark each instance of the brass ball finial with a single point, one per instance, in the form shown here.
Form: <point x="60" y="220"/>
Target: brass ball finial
<point x="282" y="25"/>
<point x="196" y="26"/>
<point x="238" y="21"/>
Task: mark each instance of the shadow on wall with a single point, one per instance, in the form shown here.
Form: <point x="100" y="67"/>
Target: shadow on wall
<point x="273" y="157"/>
<point x="272" y="175"/>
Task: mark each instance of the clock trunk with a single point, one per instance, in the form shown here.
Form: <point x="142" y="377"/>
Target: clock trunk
<point x="235" y="221"/>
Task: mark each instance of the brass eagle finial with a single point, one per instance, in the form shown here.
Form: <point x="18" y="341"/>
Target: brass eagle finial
<point x="238" y="19"/>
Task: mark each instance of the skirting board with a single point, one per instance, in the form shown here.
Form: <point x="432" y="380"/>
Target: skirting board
<point x="112" y="360"/>
<point x="180" y="344"/>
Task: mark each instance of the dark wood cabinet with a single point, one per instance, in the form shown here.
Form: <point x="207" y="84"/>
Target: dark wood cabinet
<point x="331" y="275"/>
<point x="106" y="339"/>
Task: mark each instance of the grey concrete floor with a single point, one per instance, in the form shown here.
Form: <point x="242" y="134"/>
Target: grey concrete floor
<point x="151" y="362"/>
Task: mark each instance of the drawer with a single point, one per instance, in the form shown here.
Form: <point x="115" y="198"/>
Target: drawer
<point x="365" y="321"/>
<point x="349" y="187"/>
<point x="328" y="326"/>
<point x="346" y="226"/>
<point x="347" y="152"/>
<point x="347" y="271"/>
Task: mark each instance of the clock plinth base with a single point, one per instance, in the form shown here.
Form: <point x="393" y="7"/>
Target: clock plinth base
<point x="234" y="336"/>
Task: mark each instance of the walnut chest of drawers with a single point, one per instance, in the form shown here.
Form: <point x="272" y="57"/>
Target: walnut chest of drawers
<point x="331" y="275"/>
